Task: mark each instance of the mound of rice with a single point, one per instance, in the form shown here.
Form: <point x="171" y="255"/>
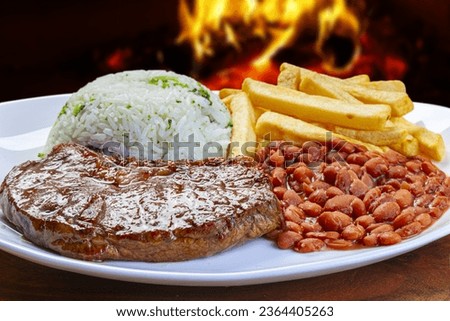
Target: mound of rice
<point x="146" y="114"/>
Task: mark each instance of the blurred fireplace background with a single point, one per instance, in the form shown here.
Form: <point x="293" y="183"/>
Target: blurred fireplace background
<point x="53" y="47"/>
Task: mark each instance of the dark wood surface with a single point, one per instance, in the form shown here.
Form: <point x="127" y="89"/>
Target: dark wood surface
<point x="423" y="274"/>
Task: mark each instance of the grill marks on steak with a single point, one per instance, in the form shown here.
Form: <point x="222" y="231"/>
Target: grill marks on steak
<point x="95" y="207"/>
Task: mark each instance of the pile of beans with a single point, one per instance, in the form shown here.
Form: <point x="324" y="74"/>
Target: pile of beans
<point x="339" y="195"/>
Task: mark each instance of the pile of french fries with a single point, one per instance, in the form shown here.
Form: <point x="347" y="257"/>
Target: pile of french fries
<point x="305" y="105"/>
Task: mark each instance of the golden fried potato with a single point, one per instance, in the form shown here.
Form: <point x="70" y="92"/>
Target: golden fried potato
<point x="275" y="126"/>
<point x="430" y="144"/>
<point x="408" y="147"/>
<point x="386" y="136"/>
<point x="358" y="79"/>
<point x="387" y="85"/>
<point x="313" y="84"/>
<point x="289" y="78"/>
<point x="316" y="108"/>
<point x="391" y="93"/>
<point x="399" y="102"/>
<point x="225" y="92"/>
<point x="243" y="137"/>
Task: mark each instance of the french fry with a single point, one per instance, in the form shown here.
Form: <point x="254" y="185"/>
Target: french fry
<point x="314" y="108"/>
<point x="408" y="147"/>
<point x="258" y="112"/>
<point x="361" y="89"/>
<point x="430" y="144"/>
<point x="386" y="136"/>
<point x="358" y="79"/>
<point x="225" y="92"/>
<point x="243" y="137"/>
<point x="399" y="102"/>
<point x="289" y="78"/>
<point x="315" y="85"/>
<point x="387" y="85"/>
<point x="282" y="127"/>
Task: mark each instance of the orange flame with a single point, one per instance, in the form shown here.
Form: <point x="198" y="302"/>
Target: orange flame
<point x="277" y="22"/>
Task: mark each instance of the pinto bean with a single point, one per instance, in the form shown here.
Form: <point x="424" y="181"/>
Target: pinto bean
<point x="311" y="227"/>
<point x="424" y="200"/>
<point x="330" y="235"/>
<point x="279" y="191"/>
<point x="397" y="171"/>
<point x="435" y="212"/>
<point x="291" y="168"/>
<point x="294" y="214"/>
<point x="334" y="221"/>
<point x="348" y="204"/>
<point x="358" y="207"/>
<point x="368" y="180"/>
<point x="384" y="198"/>
<point x="295" y="227"/>
<point x="357" y="158"/>
<point x="441" y="202"/>
<point x="319" y="184"/>
<point x="404" y="218"/>
<point x="428" y="168"/>
<point x="288" y="239"/>
<point x="303" y="174"/>
<point x="416" y="188"/>
<point x="386" y="212"/>
<point x="433" y="185"/>
<point x="292" y="198"/>
<point x="424" y="219"/>
<point x="404" y="198"/>
<point x="394" y="157"/>
<point x="370" y="240"/>
<point x="410" y="229"/>
<point x="394" y="183"/>
<point x="309" y="245"/>
<point x="311" y="209"/>
<point x="379" y="228"/>
<point x="277" y="159"/>
<point x="329" y="174"/>
<point x="306" y="146"/>
<point x="376" y="166"/>
<point x="319" y="196"/>
<point x="358" y="188"/>
<point x="413" y="166"/>
<point x="343" y="180"/>
<point x="291" y="152"/>
<point x="339" y="244"/>
<point x="353" y="232"/>
<point x="305" y="158"/>
<point x="356" y="169"/>
<point x="346" y="147"/>
<point x="333" y="191"/>
<point x="278" y="176"/>
<point x="314" y="153"/>
<point x="340" y="203"/>
<point x="365" y="220"/>
<point x="371" y="195"/>
<point x="388" y="238"/>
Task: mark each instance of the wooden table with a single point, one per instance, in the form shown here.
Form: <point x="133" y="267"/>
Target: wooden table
<point x="423" y="274"/>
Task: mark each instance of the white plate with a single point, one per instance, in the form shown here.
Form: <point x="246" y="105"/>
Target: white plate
<point x="24" y="125"/>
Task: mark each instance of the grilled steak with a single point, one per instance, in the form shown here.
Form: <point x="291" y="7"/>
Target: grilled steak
<point x="95" y="207"/>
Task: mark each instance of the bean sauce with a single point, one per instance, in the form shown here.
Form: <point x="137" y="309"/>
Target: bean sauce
<point x="339" y="195"/>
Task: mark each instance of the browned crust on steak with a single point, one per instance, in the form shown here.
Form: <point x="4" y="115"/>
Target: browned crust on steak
<point x="94" y="207"/>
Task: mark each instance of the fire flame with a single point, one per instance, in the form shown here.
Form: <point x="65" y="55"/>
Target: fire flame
<point x="278" y="23"/>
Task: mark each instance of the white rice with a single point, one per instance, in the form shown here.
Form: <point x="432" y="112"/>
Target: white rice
<point x="140" y="113"/>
